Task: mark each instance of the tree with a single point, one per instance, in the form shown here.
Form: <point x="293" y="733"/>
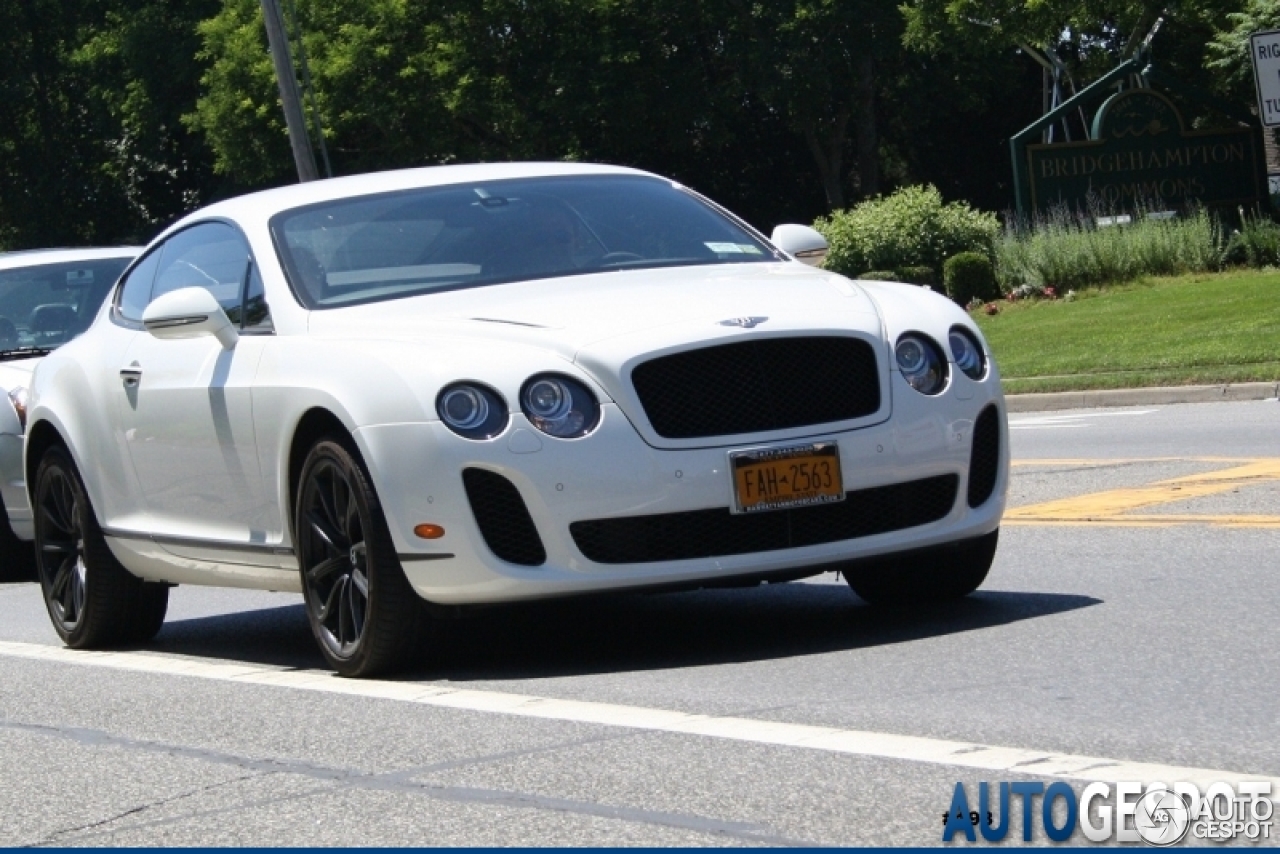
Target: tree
<point x="91" y="148"/>
<point x="52" y="143"/>
<point x="142" y="61"/>
<point x="1228" y="51"/>
<point x="818" y="63"/>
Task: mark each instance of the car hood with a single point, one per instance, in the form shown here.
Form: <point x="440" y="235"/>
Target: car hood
<point x="17" y="373"/>
<point x="607" y="323"/>
<point x="623" y="312"/>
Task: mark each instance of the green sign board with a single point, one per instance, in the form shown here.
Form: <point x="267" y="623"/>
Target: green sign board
<point x="1141" y="155"/>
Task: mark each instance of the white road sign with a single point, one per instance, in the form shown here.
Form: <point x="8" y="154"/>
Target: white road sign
<point x="1265" y="50"/>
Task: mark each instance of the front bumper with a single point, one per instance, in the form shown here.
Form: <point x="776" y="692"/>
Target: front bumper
<point x="417" y="470"/>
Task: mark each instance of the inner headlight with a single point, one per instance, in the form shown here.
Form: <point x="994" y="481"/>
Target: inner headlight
<point x="471" y="410"/>
<point x="967" y="353"/>
<point x="921" y="363"/>
<point x="559" y="406"/>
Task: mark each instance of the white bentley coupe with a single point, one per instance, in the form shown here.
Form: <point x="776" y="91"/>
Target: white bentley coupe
<point x="477" y="384"/>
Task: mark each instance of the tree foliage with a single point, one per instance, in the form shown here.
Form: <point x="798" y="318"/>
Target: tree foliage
<point x="118" y="115"/>
<point x="91" y="146"/>
<point x="1228" y="51"/>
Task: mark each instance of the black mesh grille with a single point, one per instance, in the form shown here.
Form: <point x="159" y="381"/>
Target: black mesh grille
<point x="504" y="521"/>
<point x="984" y="462"/>
<point x="758" y="385"/>
<point x="714" y="533"/>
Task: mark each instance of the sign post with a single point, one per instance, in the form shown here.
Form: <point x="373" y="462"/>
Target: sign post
<point x="1264" y="49"/>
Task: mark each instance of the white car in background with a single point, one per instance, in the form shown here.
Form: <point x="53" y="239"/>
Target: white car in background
<point x="490" y="383"/>
<point x="47" y="297"/>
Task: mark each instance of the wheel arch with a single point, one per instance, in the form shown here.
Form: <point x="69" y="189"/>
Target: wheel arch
<point x="314" y="424"/>
<point x="41" y="436"/>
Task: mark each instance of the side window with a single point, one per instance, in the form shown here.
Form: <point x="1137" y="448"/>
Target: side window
<point x="212" y="256"/>
<point x="135" y="292"/>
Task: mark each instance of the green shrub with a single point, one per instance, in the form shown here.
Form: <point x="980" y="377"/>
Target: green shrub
<point x="917" y="275"/>
<point x="1066" y="251"/>
<point x="969" y="276"/>
<point x="879" y="276"/>
<point x="910" y="228"/>
<point x="1257" y="243"/>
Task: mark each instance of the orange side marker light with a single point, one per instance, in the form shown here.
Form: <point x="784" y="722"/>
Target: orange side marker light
<point x="428" y="531"/>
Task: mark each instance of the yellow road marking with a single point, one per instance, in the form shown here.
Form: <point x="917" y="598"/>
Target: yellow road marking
<point x="1123" y="461"/>
<point x="1264" y="522"/>
<point x="1113" y="506"/>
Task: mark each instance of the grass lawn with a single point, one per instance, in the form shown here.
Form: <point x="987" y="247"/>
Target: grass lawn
<point x="1202" y="328"/>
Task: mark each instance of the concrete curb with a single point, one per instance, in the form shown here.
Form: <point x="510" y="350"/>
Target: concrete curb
<point x="1041" y="402"/>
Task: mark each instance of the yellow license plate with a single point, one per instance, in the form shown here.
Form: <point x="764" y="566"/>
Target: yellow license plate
<point x="781" y="478"/>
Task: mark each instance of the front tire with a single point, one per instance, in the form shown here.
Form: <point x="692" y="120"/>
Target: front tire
<point x="364" y="614"/>
<point x="92" y="599"/>
<point x="937" y="575"/>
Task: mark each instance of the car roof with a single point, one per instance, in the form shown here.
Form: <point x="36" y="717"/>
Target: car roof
<point x="269" y="202"/>
<point x="40" y="257"/>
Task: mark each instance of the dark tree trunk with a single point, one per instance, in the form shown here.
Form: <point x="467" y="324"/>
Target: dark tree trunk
<point x="867" y="138"/>
<point x="828" y="154"/>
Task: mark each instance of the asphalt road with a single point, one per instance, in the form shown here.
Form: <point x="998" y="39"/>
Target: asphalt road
<point x="1129" y="618"/>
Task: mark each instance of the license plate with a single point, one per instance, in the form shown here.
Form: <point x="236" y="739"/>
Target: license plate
<point x="781" y="478"/>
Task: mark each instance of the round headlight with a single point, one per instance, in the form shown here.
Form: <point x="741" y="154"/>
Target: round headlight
<point x="967" y="353"/>
<point x="472" y="411"/>
<point x="559" y="406"/>
<point x="921" y="363"/>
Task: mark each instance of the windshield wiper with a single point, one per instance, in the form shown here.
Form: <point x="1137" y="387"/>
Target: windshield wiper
<point x="24" y="353"/>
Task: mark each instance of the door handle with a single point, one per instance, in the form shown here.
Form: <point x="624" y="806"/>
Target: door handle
<point x="131" y="375"/>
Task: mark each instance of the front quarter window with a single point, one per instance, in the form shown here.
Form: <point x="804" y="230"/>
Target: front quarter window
<point x="135" y="292"/>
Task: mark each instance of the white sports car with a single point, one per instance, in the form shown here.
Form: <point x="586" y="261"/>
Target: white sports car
<point x="478" y="384"/>
<point x="47" y="297"/>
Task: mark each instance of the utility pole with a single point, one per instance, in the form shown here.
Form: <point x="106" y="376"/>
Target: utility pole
<point x="303" y="156"/>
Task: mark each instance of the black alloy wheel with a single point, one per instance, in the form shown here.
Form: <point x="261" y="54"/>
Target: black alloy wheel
<point x="62" y="566"/>
<point x="364" y="614"/>
<point x="92" y="599"/>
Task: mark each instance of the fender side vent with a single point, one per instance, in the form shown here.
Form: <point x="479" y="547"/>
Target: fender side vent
<point x="503" y="518"/>
<point x="984" y="460"/>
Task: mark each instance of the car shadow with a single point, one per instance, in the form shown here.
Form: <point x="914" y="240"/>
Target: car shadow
<point x="632" y="632"/>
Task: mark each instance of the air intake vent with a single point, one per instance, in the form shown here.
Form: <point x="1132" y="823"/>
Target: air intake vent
<point x="984" y="461"/>
<point x="503" y="518"/>
<point x="717" y="532"/>
<point x="758" y="385"/>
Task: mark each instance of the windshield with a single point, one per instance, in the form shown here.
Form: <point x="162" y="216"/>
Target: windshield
<point x="417" y="241"/>
<point x="45" y="305"/>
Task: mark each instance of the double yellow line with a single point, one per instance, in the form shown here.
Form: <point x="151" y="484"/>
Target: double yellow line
<point x="1117" y="506"/>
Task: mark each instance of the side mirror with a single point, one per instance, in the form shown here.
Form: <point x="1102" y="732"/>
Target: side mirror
<point x="189" y="313"/>
<point x="802" y="243"/>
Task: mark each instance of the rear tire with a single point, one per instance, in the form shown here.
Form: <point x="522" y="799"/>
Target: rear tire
<point x="363" y="612"/>
<point x="92" y="599"/>
<point x="934" y="576"/>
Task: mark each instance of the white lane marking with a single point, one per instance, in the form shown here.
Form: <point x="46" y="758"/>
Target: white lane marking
<point x="1041" y="421"/>
<point x="852" y="742"/>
